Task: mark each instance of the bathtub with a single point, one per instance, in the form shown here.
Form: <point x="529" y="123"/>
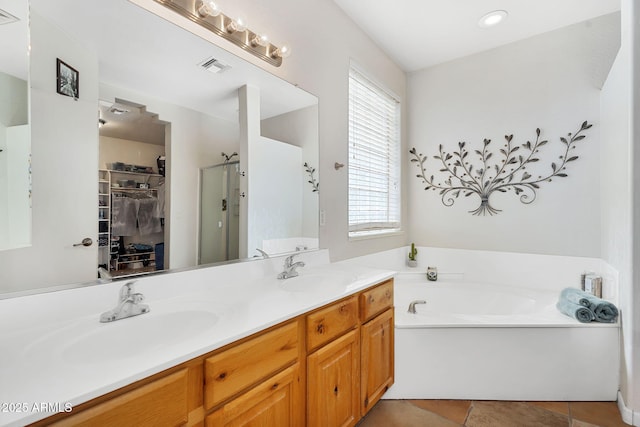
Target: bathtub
<point x="479" y="340"/>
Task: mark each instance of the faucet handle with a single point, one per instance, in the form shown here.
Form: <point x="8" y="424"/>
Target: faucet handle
<point x="127" y="290"/>
<point x="289" y="260"/>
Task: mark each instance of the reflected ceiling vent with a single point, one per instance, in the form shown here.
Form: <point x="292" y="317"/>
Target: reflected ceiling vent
<point x="214" y="66"/>
<point x="7" y="18"/>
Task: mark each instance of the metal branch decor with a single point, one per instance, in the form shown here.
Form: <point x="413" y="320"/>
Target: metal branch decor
<point x="312" y="179"/>
<point x="508" y="171"/>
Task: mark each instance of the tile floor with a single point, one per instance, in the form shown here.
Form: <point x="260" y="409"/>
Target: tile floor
<point x="474" y="413"/>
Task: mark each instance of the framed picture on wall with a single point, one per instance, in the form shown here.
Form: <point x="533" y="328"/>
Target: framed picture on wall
<point x="67" y="79"/>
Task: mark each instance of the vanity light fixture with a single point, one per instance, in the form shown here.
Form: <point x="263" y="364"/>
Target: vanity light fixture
<point x="492" y="19"/>
<point x="207" y="14"/>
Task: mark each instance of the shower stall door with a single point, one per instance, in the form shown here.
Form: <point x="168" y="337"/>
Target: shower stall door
<point x="219" y="213"/>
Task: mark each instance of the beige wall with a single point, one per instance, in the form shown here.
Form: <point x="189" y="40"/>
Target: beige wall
<point x="129" y="152"/>
<point x="550" y="81"/>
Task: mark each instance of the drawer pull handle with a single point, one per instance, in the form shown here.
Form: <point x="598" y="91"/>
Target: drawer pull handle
<point x="335" y="390"/>
<point x="275" y="386"/>
<point x="222" y="376"/>
<point x="388" y="294"/>
<point x="320" y="328"/>
<point x="371" y="299"/>
<point x="343" y="308"/>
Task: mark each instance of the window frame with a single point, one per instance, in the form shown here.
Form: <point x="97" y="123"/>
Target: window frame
<point x="392" y="222"/>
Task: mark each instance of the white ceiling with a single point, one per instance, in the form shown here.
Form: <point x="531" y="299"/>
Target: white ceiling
<point x="418" y="34"/>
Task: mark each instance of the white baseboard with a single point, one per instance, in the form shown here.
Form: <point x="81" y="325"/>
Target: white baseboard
<point x="628" y="415"/>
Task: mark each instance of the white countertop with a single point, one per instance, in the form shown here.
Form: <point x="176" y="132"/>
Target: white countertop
<point x="55" y="352"/>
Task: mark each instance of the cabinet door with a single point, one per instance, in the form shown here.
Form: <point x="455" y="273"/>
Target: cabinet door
<point x="332" y="383"/>
<point x="377" y="359"/>
<point x="274" y="403"/>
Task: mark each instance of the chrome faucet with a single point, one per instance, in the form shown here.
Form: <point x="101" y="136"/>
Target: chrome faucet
<point x="263" y="253"/>
<point x="412" y="305"/>
<point x="290" y="268"/>
<point x="128" y="305"/>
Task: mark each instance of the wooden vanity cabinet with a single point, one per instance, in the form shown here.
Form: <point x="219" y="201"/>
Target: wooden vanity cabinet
<point x="241" y="366"/>
<point x="350" y="357"/>
<point x="333" y="367"/>
<point x="257" y="382"/>
<point x="324" y="368"/>
<point x="376" y="374"/>
<point x="165" y="399"/>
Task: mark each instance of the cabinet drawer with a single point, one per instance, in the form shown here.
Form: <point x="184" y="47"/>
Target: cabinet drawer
<point x="331" y="322"/>
<point x="376" y="300"/>
<point x="162" y="402"/>
<point x="244" y="365"/>
<point x="276" y="402"/>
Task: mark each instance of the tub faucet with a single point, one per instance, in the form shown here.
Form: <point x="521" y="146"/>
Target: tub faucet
<point x="290" y="268"/>
<point x="412" y="305"/>
<point x="128" y="305"/>
<point x="263" y="253"/>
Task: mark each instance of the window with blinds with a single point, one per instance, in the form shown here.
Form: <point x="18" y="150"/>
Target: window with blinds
<point x="374" y="158"/>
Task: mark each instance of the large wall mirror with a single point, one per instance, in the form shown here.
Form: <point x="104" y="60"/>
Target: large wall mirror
<point x="153" y="121"/>
<point x="15" y="147"/>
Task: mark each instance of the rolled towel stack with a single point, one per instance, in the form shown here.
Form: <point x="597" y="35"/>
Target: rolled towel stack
<point x="573" y="303"/>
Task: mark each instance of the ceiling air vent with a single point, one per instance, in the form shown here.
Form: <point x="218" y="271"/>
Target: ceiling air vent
<point x="214" y="66"/>
<point x="7" y="18"/>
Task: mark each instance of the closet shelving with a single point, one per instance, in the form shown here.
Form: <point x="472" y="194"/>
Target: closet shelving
<point x="104" y="217"/>
<point x="116" y="263"/>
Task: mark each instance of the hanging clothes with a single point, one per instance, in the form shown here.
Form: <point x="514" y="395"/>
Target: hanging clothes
<point x="124" y="213"/>
<point x="161" y="197"/>
<point x="148" y="221"/>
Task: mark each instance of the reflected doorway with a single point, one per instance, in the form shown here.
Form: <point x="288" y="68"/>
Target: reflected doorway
<point x="132" y="190"/>
<point x="219" y="213"/>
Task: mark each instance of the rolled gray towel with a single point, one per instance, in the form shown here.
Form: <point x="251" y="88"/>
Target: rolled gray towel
<point x="579" y="312"/>
<point x="604" y="311"/>
<point x="576" y="296"/>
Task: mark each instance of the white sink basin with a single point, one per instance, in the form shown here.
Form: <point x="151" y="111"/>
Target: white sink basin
<point x="89" y="342"/>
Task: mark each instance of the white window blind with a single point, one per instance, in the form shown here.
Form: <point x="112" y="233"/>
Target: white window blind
<point x="374" y="158"/>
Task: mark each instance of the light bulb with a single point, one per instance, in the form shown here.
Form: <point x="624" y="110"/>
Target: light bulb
<point x="282" y="52"/>
<point x="236" y="25"/>
<point x="260" y="40"/>
<point x="208" y="8"/>
<point x="241" y="24"/>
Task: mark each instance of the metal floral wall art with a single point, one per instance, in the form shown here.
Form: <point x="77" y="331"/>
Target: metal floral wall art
<point x="503" y="172"/>
<point x="312" y="179"/>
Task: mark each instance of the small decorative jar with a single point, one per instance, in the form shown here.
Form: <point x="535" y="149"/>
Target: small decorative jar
<point x="432" y="274"/>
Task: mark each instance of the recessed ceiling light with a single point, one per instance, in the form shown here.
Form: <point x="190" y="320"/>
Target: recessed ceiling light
<point x="492" y="19"/>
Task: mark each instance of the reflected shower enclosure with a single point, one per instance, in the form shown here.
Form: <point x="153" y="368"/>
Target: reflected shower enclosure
<point x="219" y="213"/>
